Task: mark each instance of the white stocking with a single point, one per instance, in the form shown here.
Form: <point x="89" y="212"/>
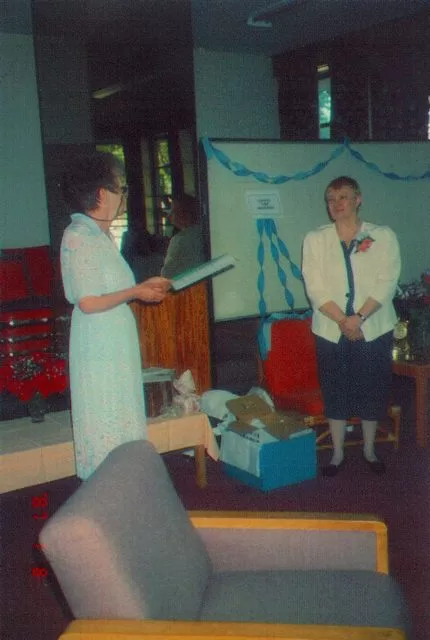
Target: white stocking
<point x="369" y="432"/>
<point x="337" y="432"/>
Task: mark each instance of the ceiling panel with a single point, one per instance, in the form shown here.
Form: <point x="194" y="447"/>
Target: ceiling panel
<point x="222" y="24"/>
<point x="217" y="24"/>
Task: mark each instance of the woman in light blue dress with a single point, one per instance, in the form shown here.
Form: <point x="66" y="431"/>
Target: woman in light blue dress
<point x="105" y="366"/>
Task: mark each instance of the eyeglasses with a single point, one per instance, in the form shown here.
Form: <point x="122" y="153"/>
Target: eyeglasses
<point x="123" y="189"/>
<point x="331" y="200"/>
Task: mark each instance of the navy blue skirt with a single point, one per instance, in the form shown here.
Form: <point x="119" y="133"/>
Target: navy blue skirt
<point x="355" y="377"/>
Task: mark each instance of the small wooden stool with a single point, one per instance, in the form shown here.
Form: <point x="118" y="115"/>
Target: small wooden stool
<point x="158" y="388"/>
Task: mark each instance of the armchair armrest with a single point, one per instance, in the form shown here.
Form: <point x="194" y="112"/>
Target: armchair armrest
<point x="167" y="630"/>
<point x="233" y="540"/>
<point x="238" y="541"/>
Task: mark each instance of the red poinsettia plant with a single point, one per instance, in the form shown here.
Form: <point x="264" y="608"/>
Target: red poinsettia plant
<point x="25" y="376"/>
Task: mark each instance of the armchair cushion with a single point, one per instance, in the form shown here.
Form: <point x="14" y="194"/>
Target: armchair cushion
<point x="130" y="525"/>
<point x="351" y="598"/>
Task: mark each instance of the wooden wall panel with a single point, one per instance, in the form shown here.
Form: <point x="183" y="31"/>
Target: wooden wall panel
<point x="380" y="83"/>
<point x="175" y="333"/>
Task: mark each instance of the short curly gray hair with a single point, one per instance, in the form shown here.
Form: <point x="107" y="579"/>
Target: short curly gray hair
<point x="86" y="175"/>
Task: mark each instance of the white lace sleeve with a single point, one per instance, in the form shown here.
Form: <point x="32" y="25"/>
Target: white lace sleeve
<point x="82" y="265"/>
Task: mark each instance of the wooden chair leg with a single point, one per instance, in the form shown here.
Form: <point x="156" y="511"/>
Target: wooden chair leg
<point x="395" y="414"/>
<point x="391" y="434"/>
<point x="200" y="460"/>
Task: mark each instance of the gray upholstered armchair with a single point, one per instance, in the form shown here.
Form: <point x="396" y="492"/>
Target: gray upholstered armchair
<point x="133" y="564"/>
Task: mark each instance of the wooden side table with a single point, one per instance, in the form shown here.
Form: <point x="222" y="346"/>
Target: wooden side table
<point x="420" y="371"/>
<point x="186" y="432"/>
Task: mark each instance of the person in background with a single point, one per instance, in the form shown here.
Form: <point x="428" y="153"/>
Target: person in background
<point x="104" y="356"/>
<point x="186" y="248"/>
<point x="351" y="270"/>
<point x="144" y="252"/>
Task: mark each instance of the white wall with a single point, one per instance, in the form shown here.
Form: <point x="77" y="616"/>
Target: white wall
<point x="23" y="214"/>
<point x="236" y="96"/>
<point x="401" y="204"/>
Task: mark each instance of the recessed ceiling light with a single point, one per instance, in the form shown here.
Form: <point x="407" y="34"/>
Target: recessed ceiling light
<point x="259" y="18"/>
<point x="99" y="94"/>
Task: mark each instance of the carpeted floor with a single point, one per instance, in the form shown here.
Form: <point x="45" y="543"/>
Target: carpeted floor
<point x="31" y="608"/>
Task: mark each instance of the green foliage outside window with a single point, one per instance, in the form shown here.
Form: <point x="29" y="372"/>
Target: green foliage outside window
<point x="116" y="149"/>
<point x="324" y="107"/>
<point x="120" y="225"/>
<point x="163" y="168"/>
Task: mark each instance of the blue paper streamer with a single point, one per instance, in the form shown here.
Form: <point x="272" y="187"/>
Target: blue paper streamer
<point x="267" y="227"/>
<point x="390" y="175"/>
<point x="240" y="170"/>
<point x="264" y="334"/>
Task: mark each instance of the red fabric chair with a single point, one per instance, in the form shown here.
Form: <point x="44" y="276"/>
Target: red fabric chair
<point x="290" y="369"/>
<point x="26" y="331"/>
<point x="13" y="284"/>
<point x="26" y="304"/>
<point x="40" y="270"/>
<point x="30" y="312"/>
<point x="26" y="273"/>
<point x="290" y="376"/>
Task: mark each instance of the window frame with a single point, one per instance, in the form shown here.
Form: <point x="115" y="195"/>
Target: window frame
<point x="324" y="75"/>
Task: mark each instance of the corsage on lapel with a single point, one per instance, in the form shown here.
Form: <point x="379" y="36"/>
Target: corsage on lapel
<point x="363" y="242"/>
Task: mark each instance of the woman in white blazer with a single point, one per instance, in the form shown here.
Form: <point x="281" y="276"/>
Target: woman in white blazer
<point x="351" y="270"/>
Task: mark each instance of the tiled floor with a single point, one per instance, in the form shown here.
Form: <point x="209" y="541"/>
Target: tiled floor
<point x="33" y="453"/>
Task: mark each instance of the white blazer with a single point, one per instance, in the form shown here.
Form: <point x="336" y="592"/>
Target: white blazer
<point x="376" y="273"/>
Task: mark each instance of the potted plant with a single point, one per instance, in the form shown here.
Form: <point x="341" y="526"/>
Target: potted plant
<point x="413" y="305"/>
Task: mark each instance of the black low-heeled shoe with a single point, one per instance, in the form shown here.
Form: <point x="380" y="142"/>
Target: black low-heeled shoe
<point x="376" y="466"/>
<point x="331" y="470"/>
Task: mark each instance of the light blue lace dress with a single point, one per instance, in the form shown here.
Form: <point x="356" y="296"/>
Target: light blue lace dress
<point x="105" y="367"/>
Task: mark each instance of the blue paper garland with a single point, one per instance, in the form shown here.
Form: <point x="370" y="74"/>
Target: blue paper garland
<point x="240" y="170"/>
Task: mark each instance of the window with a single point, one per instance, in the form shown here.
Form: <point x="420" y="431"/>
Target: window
<point x="163" y="182"/>
<point x="324" y="102"/>
<point x="120" y="225"/>
<point x="168" y="170"/>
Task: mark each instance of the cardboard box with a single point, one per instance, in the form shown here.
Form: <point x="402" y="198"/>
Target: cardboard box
<point x="252" y="409"/>
<point x="281" y="454"/>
